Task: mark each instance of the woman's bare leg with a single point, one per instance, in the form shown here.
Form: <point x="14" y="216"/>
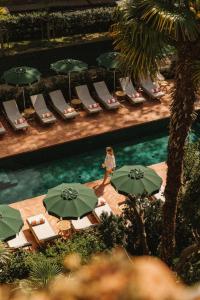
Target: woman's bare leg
<point x="105" y="176"/>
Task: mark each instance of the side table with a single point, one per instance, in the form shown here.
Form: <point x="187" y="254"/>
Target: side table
<point x="64" y="228"/>
<point x="120" y="95"/>
<point x="29" y="113"/>
<point x="76" y="103"/>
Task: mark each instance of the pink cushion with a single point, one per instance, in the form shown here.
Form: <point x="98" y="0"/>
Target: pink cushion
<point x="19" y="121"/>
<point x="92" y="106"/>
<point x="37" y="222"/>
<point x="156" y="90"/>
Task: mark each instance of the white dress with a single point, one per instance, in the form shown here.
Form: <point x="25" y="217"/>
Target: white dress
<point x="109" y="162"/>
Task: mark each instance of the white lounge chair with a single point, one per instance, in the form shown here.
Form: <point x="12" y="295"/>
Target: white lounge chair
<point x="90" y="105"/>
<point x="102" y="208"/>
<point x="105" y="96"/>
<point x="151" y="88"/>
<point x="61" y="106"/>
<point x="42" y="231"/>
<point x="160" y="195"/>
<point x="19" y="241"/>
<point x="81" y="223"/>
<point x="43" y="113"/>
<point x="128" y="88"/>
<point x="14" y="116"/>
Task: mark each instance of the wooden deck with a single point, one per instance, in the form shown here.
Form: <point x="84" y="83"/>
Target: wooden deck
<point x="34" y="206"/>
<point x="38" y="136"/>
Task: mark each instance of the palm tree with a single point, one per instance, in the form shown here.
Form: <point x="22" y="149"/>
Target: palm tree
<point x="42" y="272"/>
<point x="143" y="30"/>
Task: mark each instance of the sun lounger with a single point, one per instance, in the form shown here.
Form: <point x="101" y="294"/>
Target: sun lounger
<point x="43" y="113"/>
<point x="102" y="208"/>
<point x="88" y="102"/>
<point x="41" y="228"/>
<point x="19" y="241"/>
<point x="128" y="88"/>
<point x="105" y="96"/>
<point x="81" y="223"/>
<point x="151" y="88"/>
<point x="2" y="129"/>
<point x="61" y="106"/>
<point x="14" y="117"/>
<point x="160" y="195"/>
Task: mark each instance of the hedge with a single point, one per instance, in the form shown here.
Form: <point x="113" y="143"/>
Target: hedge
<point x="37" y="25"/>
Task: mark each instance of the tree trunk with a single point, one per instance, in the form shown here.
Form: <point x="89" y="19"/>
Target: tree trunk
<point x="139" y="214"/>
<point x="182" y="112"/>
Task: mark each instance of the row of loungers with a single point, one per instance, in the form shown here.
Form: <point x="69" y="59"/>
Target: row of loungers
<point x="90" y="105"/>
<point x="43" y="232"/>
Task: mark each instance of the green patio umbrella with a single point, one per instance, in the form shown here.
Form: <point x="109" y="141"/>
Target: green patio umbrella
<point x="67" y="66"/>
<point x="10" y="222"/>
<point x="70" y="200"/>
<point x="21" y="76"/>
<point x="109" y="61"/>
<point x="136" y="180"/>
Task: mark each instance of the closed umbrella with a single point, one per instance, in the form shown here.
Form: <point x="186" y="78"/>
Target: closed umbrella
<point x="10" y="222"/>
<point x="109" y="61"/>
<point x="136" y="181"/>
<point x="21" y="76"/>
<point x="67" y="66"/>
<point x="70" y="200"/>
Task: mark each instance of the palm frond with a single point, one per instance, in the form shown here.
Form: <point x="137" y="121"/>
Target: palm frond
<point x="196" y="73"/>
<point x="176" y="20"/>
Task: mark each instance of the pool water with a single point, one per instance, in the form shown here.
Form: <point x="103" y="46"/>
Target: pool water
<point x="36" y="179"/>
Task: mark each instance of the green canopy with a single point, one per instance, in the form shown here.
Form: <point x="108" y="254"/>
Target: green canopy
<point x="67" y="66"/>
<point x="21" y="76"/>
<point x="108" y="60"/>
<point x="70" y="200"/>
<point x="10" y="222"/>
<point x="136" y="180"/>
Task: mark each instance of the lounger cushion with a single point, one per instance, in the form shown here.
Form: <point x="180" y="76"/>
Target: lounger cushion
<point x="19" y="241"/>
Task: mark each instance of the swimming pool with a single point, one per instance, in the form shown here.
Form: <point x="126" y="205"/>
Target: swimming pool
<point x="81" y="162"/>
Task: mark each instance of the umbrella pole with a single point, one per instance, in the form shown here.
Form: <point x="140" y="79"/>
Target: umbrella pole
<point x="69" y="85"/>
<point x="24" y="101"/>
<point x="114" y="81"/>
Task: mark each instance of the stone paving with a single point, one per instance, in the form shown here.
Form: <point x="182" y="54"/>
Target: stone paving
<point x="35" y="205"/>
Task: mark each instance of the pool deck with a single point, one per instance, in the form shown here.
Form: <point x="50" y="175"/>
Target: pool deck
<point x="38" y="136"/>
<point x="35" y="205"/>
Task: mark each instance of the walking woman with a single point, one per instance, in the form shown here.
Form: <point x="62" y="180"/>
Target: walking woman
<point x="109" y="163"/>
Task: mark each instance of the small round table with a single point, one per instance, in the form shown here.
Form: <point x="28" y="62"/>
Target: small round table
<point x="120" y="95"/>
<point x="29" y="113"/>
<point x="76" y="103"/>
<point x="64" y="228"/>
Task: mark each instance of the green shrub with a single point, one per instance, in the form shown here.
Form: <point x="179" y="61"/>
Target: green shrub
<point x="37" y="25"/>
<point x="16" y="268"/>
<point x="84" y="243"/>
<point x="112" y="230"/>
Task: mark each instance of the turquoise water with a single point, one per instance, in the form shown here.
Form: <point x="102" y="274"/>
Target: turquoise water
<point x="37" y="179"/>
